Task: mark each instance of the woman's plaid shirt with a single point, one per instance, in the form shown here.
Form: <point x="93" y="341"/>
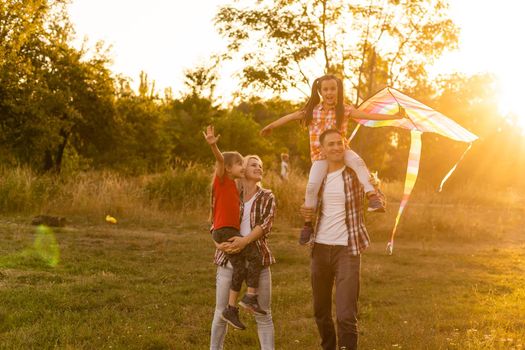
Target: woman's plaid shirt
<point x="358" y="239"/>
<point x="262" y="214"/>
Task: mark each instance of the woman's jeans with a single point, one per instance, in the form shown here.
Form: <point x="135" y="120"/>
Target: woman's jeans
<point x="265" y="327"/>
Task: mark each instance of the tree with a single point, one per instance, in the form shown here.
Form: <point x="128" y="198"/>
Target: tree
<point x="51" y="96"/>
<point x="286" y="43"/>
<point x="291" y="138"/>
<point x="21" y="87"/>
<point x="202" y="80"/>
<point x="185" y="120"/>
<point x="140" y="143"/>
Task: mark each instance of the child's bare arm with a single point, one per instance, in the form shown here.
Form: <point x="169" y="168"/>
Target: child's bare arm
<point x="210" y="137"/>
<point x="267" y="130"/>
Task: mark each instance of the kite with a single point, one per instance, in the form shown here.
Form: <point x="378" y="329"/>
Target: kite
<point x="420" y="119"/>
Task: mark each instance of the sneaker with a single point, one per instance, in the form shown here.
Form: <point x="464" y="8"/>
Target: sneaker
<point x="306" y="234"/>
<point x="375" y="204"/>
<point x="231" y="315"/>
<point x="249" y="302"/>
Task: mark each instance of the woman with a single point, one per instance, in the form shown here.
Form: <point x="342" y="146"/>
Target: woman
<point x="257" y="213"/>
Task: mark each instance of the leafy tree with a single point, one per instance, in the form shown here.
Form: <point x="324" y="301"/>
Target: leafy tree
<point x="51" y="96"/>
<point x="21" y="27"/>
<point x="240" y="132"/>
<point x="291" y="138"/>
<point x="184" y="122"/>
<point x="202" y="80"/>
<point x="140" y="144"/>
<point x="286" y="43"/>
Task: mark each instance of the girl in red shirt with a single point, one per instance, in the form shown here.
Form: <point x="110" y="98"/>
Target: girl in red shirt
<point x="247" y="264"/>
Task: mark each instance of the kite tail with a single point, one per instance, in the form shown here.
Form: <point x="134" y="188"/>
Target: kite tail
<point x="453" y="168"/>
<point x="410" y="180"/>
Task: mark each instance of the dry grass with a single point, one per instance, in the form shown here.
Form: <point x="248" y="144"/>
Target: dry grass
<point x="466" y="213"/>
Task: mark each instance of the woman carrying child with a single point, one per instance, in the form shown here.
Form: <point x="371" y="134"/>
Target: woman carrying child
<point x="254" y="211"/>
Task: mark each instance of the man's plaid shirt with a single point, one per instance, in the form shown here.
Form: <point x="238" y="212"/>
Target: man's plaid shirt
<point x="262" y="214"/>
<point x="358" y="239"/>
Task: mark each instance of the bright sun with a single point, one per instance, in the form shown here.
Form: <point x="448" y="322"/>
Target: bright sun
<point x="511" y="100"/>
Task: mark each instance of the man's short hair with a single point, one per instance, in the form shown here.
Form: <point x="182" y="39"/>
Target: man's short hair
<point x="328" y="132"/>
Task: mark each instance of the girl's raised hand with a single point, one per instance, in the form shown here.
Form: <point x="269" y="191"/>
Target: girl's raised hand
<point x="209" y="135"/>
<point x="266" y="131"/>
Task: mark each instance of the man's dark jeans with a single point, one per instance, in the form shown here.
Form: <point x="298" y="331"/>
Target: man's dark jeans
<point x="249" y="254"/>
<point x="333" y="263"/>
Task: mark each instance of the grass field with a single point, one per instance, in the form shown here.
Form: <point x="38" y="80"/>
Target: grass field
<point x="150" y="285"/>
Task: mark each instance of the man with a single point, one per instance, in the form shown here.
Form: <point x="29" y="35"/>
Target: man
<point x="339" y="238"/>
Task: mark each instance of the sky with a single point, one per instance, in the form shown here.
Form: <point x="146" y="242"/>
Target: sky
<point x="160" y="37"/>
<point x="164" y="37"/>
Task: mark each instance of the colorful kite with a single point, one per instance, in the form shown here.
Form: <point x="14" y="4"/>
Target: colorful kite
<point x="420" y="119"/>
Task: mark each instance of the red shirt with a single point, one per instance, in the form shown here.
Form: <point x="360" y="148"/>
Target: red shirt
<point x="226" y="203"/>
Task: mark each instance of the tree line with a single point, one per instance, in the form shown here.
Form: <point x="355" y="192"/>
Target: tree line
<point x="62" y="109"/>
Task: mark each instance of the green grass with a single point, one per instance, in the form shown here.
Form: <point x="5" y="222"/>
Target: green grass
<point x="150" y="285"/>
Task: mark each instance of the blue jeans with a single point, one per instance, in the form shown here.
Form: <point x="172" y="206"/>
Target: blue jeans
<point x="265" y="328"/>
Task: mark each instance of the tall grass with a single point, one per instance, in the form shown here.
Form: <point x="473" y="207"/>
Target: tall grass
<point x="466" y="213"/>
<point x="289" y="195"/>
<point x="92" y="195"/>
<point x="23" y="191"/>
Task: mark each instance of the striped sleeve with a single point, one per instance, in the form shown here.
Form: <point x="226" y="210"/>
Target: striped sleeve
<point x="266" y="212"/>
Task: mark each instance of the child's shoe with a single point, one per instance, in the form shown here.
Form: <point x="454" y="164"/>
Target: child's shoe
<point x="375" y="204"/>
<point x="306" y="233"/>
<point x="231" y="315"/>
<point x="249" y="302"/>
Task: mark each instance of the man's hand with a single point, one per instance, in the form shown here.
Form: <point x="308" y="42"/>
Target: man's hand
<point x="307" y="213"/>
<point x="266" y="131"/>
<point x="209" y="135"/>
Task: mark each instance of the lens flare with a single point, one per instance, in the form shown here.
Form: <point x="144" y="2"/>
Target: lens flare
<point x="46" y="246"/>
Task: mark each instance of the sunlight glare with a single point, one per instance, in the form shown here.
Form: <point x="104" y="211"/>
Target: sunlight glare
<point x="511" y="98"/>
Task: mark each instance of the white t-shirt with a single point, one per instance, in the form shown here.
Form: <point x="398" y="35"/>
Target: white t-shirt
<point x="332" y="228"/>
<point x="245" y="222"/>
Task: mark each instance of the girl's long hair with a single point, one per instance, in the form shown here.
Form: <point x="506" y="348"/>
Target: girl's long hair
<point x="315" y="98"/>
